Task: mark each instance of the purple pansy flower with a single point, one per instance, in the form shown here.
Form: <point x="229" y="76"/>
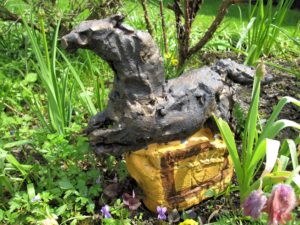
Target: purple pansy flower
<point x="36" y="198"/>
<point x="98" y="180"/>
<point x="105" y="211"/>
<point x="161" y="213"/>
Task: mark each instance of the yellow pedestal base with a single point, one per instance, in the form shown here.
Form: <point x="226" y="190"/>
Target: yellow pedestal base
<point x="180" y="174"/>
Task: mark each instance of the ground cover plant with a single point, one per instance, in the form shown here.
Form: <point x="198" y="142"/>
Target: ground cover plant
<point x="48" y="173"/>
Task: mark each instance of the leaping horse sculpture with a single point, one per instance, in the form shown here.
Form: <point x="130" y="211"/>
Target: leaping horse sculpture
<point x="143" y="107"/>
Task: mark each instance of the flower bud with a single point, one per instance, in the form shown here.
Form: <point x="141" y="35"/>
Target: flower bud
<point x="254" y="204"/>
<point x="280" y="204"/>
<point x="261" y="70"/>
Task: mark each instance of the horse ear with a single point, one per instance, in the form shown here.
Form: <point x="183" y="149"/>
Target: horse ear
<point x="117" y="19"/>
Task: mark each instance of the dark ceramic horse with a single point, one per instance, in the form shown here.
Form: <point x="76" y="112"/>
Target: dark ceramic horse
<point x="143" y="107"/>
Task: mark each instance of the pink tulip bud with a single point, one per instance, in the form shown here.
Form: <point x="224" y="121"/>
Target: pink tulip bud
<point x="254" y="204"/>
<point x="280" y="204"/>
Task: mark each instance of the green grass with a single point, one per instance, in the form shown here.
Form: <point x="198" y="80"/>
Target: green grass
<point x="61" y="169"/>
<point x="240" y="11"/>
<point x="235" y="20"/>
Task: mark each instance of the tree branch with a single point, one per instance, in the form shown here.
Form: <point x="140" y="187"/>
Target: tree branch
<point x="187" y="26"/>
<point x="146" y="16"/>
<point x="7" y="15"/>
<point x="163" y="26"/>
<point x="184" y="30"/>
<point x="213" y="27"/>
<point x="180" y="30"/>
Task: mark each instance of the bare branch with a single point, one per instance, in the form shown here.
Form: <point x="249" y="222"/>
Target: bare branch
<point x="188" y="24"/>
<point x="163" y="26"/>
<point x="184" y="30"/>
<point x="209" y="33"/>
<point x="195" y="6"/>
<point x="7" y="15"/>
<point x="179" y="30"/>
<point x="146" y="15"/>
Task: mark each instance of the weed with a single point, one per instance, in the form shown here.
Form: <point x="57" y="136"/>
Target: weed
<point x="59" y="94"/>
<point x="47" y="171"/>
<point x="256" y="146"/>
<point x="262" y="29"/>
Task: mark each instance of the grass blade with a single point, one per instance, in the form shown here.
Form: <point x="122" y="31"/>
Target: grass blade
<point x="88" y="102"/>
<point x="271" y="132"/>
<point x="5" y="181"/>
<point x="228" y="137"/>
<point x="275" y="113"/>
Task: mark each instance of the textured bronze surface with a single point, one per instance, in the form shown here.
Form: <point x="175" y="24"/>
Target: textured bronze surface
<point x="143" y="107"/>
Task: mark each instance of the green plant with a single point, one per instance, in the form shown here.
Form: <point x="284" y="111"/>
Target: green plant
<point x="13" y="174"/>
<point x="62" y="183"/>
<point x="86" y="100"/>
<point x="45" y="175"/>
<point x="255" y="143"/>
<point x="119" y="213"/>
<point x="73" y="11"/>
<point x="59" y="98"/>
<point x="262" y="29"/>
<point x="239" y="117"/>
<point x="100" y="90"/>
<point x="234" y="218"/>
<point x="185" y="13"/>
<point x="59" y="94"/>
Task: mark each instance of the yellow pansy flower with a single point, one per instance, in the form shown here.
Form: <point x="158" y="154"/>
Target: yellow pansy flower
<point x="189" y="222"/>
<point x="174" y="62"/>
<point x="167" y="55"/>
